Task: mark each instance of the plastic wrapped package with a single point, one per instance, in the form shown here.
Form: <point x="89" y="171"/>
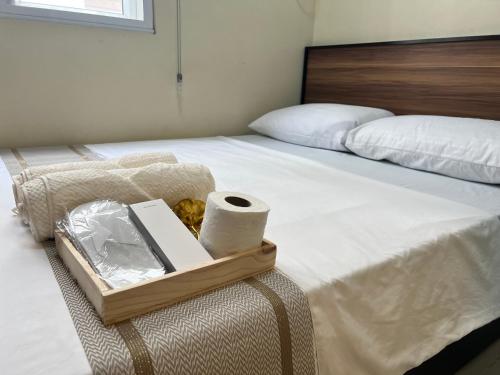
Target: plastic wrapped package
<point x="103" y="233"/>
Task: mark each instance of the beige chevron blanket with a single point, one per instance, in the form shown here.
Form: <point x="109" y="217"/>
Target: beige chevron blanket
<point x="258" y="326"/>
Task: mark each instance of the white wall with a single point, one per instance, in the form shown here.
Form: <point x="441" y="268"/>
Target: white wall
<point x="352" y="21"/>
<point x="71" y="84"/>
<point x="62" y="84"/>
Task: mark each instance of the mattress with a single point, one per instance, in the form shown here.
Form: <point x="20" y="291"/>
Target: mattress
<point x="393" y="274"/>
<point x="393" y="271"/>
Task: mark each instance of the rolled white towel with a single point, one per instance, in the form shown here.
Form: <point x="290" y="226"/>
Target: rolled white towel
<point x="49" y="197"/>
<point x="127" y="161"/>
<point x="17" y="181"/>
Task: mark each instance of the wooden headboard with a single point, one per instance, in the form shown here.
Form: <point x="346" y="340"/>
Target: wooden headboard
<point x="453" y="76"/>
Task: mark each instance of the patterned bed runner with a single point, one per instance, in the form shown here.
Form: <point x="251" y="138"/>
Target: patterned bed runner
<point x="261" y="325"/>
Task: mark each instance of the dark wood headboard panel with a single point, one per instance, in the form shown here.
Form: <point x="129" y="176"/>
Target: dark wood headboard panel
<point x="454" y="76"/>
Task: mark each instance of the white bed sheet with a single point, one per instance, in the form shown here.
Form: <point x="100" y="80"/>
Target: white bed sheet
<point x="483" y="196"/>
<point x="392" y="275"/>
<point x="37" y="335"/>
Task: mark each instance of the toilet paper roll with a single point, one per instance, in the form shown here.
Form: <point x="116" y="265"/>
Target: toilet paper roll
<point x="233" y="222"/>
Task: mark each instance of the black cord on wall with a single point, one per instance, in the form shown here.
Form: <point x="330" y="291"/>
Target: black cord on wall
<point x="179" y="43"/>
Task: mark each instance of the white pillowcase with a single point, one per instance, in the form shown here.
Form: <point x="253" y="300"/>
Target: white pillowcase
<point x="316" y="125"/>
<point x="464" y="148"/>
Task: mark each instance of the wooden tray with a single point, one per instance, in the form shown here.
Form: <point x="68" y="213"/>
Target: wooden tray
<point x="115" y="305"/>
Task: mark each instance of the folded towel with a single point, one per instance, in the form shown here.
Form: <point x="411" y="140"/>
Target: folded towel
<point x="48" y="198"/>
<point x="127" y="161"/>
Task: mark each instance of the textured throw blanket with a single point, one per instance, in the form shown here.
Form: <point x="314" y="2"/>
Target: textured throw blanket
<point x="129" y="161"/>
<point x="48" y="198"/>
<point x="261" y="325"/>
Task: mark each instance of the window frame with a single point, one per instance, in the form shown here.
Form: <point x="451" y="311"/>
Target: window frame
<point x="9" y="10"/>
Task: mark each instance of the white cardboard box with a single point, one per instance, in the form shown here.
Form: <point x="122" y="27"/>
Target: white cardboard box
<point x="172" y="242"/>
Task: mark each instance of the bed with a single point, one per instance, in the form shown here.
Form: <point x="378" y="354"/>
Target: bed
<point x="396" y="264"/>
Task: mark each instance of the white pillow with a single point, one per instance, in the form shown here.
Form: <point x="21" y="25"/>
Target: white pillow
<point x="316" y="125"/>
<point x="465" y="148"/>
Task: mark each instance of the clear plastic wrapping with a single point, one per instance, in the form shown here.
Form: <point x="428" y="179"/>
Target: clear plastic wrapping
<point x="103" y="233"/>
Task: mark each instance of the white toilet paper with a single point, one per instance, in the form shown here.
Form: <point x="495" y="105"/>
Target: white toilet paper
<point x="233" y="222"/>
